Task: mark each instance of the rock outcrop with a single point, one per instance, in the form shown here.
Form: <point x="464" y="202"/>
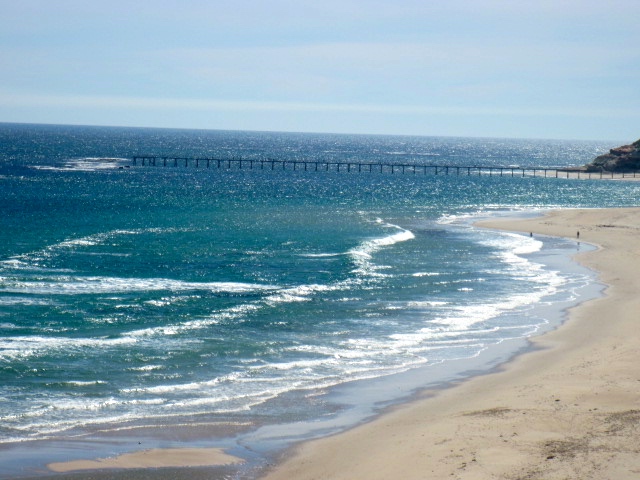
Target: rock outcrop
<point x="620" y="159"/>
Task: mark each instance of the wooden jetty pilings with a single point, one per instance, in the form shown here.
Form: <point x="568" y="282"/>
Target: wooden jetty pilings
<point x="368" y="167"/>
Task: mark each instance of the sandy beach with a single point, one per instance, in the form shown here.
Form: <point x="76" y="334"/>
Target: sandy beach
<point x="567" y="409"/>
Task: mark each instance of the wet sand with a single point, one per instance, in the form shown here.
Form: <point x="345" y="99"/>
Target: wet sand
<point x="154" y="458"/>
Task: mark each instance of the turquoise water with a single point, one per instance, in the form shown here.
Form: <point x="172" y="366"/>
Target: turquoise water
<point x="130" y="296"/>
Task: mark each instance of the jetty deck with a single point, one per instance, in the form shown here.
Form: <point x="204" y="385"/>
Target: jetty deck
<point x="371" y="167"/>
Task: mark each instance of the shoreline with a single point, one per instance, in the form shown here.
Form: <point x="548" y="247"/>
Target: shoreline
<point x="392" y="436"/>
<point x="567" y="408"/>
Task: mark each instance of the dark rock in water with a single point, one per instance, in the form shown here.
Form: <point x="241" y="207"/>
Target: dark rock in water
<point x="620" y="159"/>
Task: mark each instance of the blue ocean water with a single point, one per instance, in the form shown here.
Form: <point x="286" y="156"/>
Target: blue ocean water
<point x="138" y="296"/>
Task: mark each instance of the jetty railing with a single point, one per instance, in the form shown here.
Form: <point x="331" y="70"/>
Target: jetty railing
<point x="367" y="167"/>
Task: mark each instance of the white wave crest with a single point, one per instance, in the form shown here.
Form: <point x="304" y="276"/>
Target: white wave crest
<point x="363" y="253"/>
<point x="86" y="164"/>
<point x="78" y="285"/>
<point x="300" y="293"/>
<point x="30" y="346"/>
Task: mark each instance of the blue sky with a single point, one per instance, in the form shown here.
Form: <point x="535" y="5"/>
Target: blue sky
<point x="493" y="68"/>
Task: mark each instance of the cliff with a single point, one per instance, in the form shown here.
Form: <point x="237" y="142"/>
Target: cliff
<point x="620" y="159"/>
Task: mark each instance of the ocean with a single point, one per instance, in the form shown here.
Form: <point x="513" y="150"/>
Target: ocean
<point x="251" y="308"/>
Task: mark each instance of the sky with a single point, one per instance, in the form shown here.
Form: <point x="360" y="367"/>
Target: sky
<point x="567" y="69"/>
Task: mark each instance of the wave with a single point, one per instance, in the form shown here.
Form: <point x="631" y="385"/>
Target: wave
<point x="78" y="285"/>
<point x="301" y="293"/>
<point x="31" y="260"/>
<point x="363" y="253"/>
<point x="276" y="297"/>
<point x="226" y="315"/>
<point x="350" y="359"/>
<point x="86" y="164"/>
<point x="30" y="301"/>
<point x="79" y="383"/>
<point x="514" y="244"/>
<point x="32" y="346"/>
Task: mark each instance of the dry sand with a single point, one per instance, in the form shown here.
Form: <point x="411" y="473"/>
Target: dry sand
<point x="568" y="409"/>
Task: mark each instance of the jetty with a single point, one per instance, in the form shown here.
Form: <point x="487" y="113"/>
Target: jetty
<point x="236" y="163"/>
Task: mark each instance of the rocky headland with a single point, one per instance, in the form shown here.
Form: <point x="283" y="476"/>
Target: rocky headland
<point x="620" y="159"/>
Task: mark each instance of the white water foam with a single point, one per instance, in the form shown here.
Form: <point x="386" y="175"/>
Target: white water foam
<point x="86" y="164"/>
<point x="77" y="285"/>
<point x="363" y="253"/>
<point x="34" y="345"/>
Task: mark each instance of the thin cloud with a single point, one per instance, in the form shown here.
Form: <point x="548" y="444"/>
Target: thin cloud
<point x="149" y="103"/>
<point x="338" y="64"/>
